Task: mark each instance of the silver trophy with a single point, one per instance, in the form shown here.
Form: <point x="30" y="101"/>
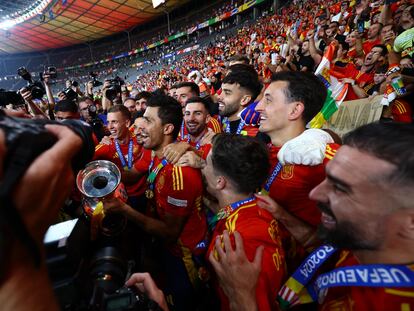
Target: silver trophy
<point x="99" y="180"/>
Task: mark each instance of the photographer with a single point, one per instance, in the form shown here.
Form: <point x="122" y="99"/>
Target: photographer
<point x="89" y="114"/>
<point x="49" y="94"/>
<point x="34" y="109"/>
<point x="24" y="284"/>
<point x="112" y="92"/>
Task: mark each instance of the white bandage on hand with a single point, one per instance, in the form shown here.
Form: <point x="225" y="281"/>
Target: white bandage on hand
<point x="306" y="149"/>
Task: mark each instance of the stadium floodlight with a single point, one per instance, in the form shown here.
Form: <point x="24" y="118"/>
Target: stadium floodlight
<point x="157" y="3"/>
<point x="36" y="8"/>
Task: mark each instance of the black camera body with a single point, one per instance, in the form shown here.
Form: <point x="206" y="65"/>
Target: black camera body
<point x="114" y="88"/>
<point x="70" y="94"/>
<point x="90" y="274"/>
<point x="96" y="123"/>
<point x="127" y="299"/>
<point x="51" y="71"/>
<point x="95" y="82"/>
<point x="35" y="87"/>
<point x="10" y="97"/>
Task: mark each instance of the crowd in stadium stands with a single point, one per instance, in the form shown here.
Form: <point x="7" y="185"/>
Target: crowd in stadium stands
<point x="241" y="200"/>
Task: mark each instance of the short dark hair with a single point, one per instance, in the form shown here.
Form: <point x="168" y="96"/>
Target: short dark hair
<point x="239" y="58"/>
<point x="128" y="98"/>
<point x="143" y="94"/>
<point x="194" y="87"/>
<point x="169" y="111"/>
<point x="84" y="99"/>
<point x="160" y="91"/>
<point x="392" y="142"/>
<point x="242" y="159"/>
<point x="381" y="69"/>
<point x="198" y="99"/>
<point x="122" y="109"/>
<point x="304" y="87"/>
<point x="66" y="106"/>
<point x="246" y="78"/>
<point x="383" y="48"/>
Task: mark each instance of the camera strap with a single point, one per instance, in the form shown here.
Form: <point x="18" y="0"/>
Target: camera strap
<point x="10" y="218"/>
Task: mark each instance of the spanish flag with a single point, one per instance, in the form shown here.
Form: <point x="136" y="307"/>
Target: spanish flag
<point x="336" y="90"/>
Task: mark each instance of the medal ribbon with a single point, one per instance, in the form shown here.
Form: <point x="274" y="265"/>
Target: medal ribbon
<point x="153" y="174"/>
<point x="239" y="128"/>
<point x="182" y="131"/>
<point x="271" y="179"/>
<point x="227" y="210"/>
<point x="294" y="291"/>
<point x="376" y="275"/>
<point x="121" y="155"/>
<point x="198" y="145"/>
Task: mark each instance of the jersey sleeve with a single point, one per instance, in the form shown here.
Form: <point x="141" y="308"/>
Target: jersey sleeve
<point x="184" y="187"/>
<point x="143" y="163"/>
<point x="257" y="231"/>
<point x="103" y="152"/>
<point x="215" y="125"/>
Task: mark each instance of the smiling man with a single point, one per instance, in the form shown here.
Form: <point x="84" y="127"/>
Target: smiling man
<point x="367" y="216"/>
<point x="239" y="89"/>
<point x="289" y="103"/>
<point x="123" y="150"/>
<point x="174" y="194"/>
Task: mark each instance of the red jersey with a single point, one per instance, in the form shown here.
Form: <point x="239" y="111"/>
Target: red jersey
<point x="213" y="124"/>
<point x="361" y="298"/>
<point x="363" y="79"/>
<point x="401" y="111"/>
<point x="257" y="227"/>
<point x="203" y="150"/>
<point x="178" y="191"/>
<point x="368" y="45"/>
<point x="291" y="189"/>
<point x="292" y="186"/>
<point x="108" y="152"/>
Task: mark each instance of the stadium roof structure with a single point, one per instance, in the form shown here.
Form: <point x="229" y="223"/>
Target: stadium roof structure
<point x="59" y="23"/>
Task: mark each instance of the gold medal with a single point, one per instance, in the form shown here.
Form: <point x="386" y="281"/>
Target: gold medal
<point x="149" y="194"/>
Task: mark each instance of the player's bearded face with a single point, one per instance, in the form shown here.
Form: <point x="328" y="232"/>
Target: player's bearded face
<point x="229" y="100"/>
<point x="195" y="118"/>
<point x="344" y="233"/>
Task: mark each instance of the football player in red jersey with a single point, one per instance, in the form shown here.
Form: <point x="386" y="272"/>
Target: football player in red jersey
<point x="124" y="150"/>
<point x="289" y="103"/>
<point x="185" y="91"/>
<point x="235" y="168"/>
<point x="239" y="89"/>
<point x="174" y="195"/>
<point x="193" y="150"/>
<point x="367" y="215"/>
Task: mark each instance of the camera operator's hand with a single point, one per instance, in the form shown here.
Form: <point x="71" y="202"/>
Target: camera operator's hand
<point x="26" y="285"/>
<point x="61" y="96"/>
<point x="26" y="94"/>
<point x="51" y="172"/>
<point x="145" y="284"/>
<point x="89" y="88"/>
<point x="46" y="79"/>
